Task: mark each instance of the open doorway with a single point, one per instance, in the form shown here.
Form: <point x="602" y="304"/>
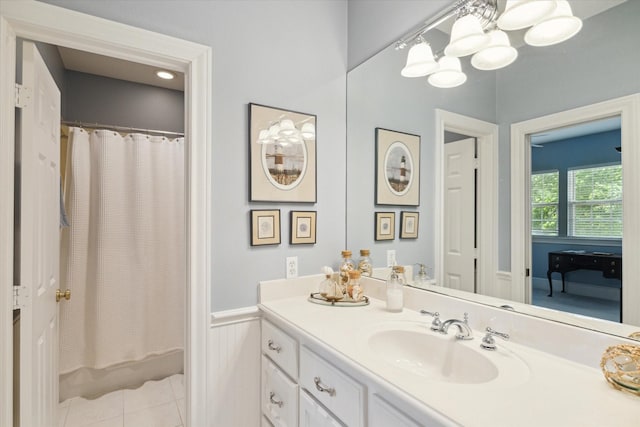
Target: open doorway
<point x="521" y="151"/>
<point x="481" y="234"/>
<point x="84" y="32"/>
<point x="576" y="219"/>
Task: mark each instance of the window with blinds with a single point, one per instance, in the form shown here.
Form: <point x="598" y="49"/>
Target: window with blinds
<point x="594" y="202"/>
<point x="544" y="203"/>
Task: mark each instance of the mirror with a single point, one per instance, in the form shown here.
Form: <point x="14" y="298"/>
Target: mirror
<point x="598" y="64"/>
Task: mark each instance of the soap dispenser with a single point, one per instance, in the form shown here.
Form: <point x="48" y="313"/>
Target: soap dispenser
<point x="395" y="296"/>
<point x="421" y="279"/>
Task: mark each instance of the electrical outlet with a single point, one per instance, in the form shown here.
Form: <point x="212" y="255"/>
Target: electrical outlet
<point x="391" y="257"/>
<point x="292" y="267"/>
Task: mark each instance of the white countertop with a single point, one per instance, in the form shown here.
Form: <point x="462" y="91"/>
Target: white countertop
<point x="553" y="392"/>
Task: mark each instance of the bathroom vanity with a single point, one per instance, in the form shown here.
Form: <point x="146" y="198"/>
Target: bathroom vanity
<point x="364" y="366"/>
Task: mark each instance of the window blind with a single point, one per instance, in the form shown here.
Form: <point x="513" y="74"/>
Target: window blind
<point x="544" y="203"/>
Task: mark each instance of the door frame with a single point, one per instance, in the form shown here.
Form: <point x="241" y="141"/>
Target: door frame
<point x="58" y="26"/>
<point x="628" y="108"/>
<point x="487" y="186"/>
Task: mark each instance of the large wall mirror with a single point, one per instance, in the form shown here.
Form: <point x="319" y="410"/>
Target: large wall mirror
<point x="600" y="63"/>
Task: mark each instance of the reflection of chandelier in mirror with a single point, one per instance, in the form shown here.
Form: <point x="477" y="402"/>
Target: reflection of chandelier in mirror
<point x="284" y="132"/>
<point x="479" y="31"/>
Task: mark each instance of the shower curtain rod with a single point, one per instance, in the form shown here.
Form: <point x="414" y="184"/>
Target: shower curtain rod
<point x="117" y="128"/>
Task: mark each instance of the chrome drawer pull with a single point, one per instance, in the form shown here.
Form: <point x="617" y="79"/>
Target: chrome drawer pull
<point x="272" y="399"/>
<point x="274" y="347"/>
<point x="322" y="388"/>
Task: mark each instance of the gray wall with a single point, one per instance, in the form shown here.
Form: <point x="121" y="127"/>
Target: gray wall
<point x="94" y="99"/>
<point x="376" y="24"/>
<point x="287" y="54"/>
<point x="379" y="97"/>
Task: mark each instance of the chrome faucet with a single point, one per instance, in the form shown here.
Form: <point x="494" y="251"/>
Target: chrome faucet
<point x="464" y="331"/>
<point x="436" y="324"/>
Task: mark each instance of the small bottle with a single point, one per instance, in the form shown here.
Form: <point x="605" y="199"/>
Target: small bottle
<point x="399" y="269"/>
<point x="421" y="278"/>
<point x="365" y="266"/>
<point x="395" y="297"/>
<point x="346" y="266"/>
<point x="328" y="288"/>
<point x="354" y="289"/>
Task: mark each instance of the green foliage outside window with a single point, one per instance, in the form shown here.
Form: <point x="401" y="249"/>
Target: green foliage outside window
<point x="544" y="203"/>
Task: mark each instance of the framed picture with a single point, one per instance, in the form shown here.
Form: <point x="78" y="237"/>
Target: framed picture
<point x="282" y="151"/>
<point x="385" y="225"/>
<point x="409" y="225"/>
<point x="397" y="168"/>
<point x="303" y="227"/>
<point x="265" y="227"/>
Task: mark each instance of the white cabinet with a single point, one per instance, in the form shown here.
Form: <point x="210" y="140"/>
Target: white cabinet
<point x="303" y="385"/>
<point x="333" y="388"/>
<point x="314" y="415"/>
<point x="279" y="396"/>
<point x="383" y="414"/>
<point x="280" y="348"/>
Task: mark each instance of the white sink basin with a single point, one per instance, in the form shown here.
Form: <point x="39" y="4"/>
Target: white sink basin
<point x="413" y="349"/>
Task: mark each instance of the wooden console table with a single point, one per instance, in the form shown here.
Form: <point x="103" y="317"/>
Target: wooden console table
<point x="563" y="262"/>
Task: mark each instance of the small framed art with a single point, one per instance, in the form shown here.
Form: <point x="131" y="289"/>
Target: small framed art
<point x="282" y="153"/>
<point x="397" y="168"/>
<point x="265" y="227"/>
<point x="303" y="227"/>
<point x="385" y="225"/>
<point x="409" y="225"/>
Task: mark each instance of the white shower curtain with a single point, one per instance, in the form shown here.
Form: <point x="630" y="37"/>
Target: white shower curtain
<point x="123" y="256"/>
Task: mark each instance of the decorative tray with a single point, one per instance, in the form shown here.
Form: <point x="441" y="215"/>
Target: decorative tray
<point x="316" y="298"/>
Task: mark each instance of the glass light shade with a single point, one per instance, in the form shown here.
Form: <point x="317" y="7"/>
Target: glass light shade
<point x="520" y="14"/>
<point x="449" y="74"/>
<point x="420" y="61"/>
<point x="263" y="137"/>
<point x="467" y="37"/>
<point x="560" y="26"/>
<point x="308" y="131"/>
<point x="498" y="54"/>
<point x="274" y="130"/>
<point x="286" y="127"/>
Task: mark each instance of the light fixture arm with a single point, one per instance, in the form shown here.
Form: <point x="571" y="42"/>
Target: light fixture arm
<point x="485" y="10"/>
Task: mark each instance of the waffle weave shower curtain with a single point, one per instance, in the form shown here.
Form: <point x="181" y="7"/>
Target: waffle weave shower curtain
<point x="123" y="256"/>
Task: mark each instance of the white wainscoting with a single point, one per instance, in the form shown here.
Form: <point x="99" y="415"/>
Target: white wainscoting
<point x="503" y="285"/>
<point x="234" y="368"/>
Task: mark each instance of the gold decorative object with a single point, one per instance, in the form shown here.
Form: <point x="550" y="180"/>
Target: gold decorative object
<point x="621" y="367"/>
<point x="635" y="335"/>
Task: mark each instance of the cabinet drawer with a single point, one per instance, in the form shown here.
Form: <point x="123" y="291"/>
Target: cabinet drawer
<point x="314" y="415"/>
<point x="279" y="396"/>
<point x="339" y="393"/>
<point x="281" y="348"/>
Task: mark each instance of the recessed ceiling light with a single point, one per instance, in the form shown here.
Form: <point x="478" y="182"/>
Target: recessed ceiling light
<point x="165" y="75"/>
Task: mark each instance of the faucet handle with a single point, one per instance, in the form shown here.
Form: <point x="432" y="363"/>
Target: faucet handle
<point x="466" y="317"/>
<point x="436" y="324"/>
<point x="488" y="343"/>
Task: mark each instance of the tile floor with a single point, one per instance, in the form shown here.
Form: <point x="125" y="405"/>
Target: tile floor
<point x="154" y="404"/>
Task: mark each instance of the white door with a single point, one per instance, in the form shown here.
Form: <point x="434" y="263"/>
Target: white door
<point x="459" y="215"/>
<point x="39" y="130"/>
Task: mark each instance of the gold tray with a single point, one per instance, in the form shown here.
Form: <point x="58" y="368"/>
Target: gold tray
<point x="621" y="367"/>
<point x="316" y="298"/>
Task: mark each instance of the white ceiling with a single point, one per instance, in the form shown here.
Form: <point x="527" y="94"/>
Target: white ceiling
<point x="91" y="63"/>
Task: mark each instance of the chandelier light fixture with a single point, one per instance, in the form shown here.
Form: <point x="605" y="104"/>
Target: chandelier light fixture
<point x="284" y="131"/>
<point x="480" y="30"/>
